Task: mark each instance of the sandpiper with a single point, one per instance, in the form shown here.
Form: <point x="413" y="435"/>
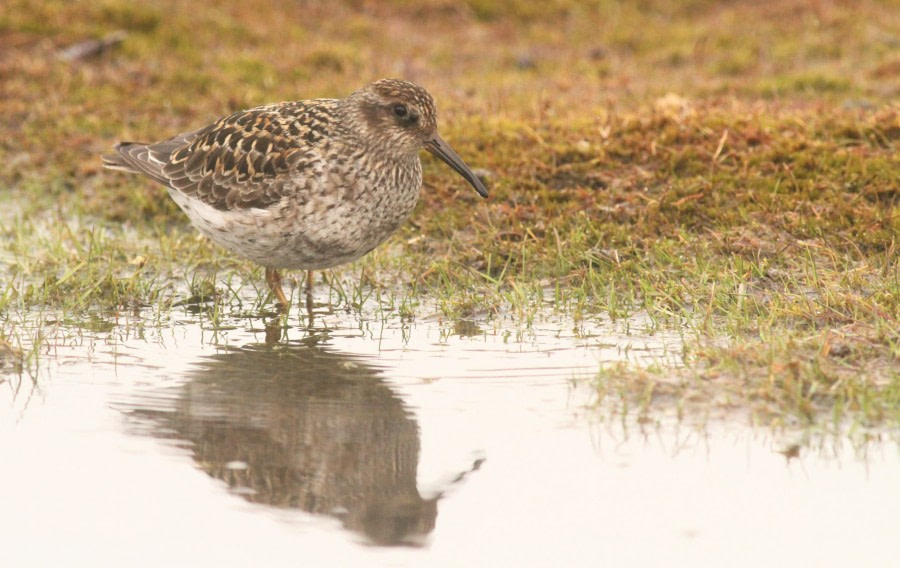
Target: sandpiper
<point x="304" y="184"/>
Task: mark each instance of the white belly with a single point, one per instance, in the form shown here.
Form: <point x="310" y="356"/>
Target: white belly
<point x="312" y="236"/>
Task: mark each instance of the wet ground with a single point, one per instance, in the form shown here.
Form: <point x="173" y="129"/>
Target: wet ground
<point x="367" y="440"/>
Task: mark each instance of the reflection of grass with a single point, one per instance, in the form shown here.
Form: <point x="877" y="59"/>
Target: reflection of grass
<point x="733" y="165"/>
<point x="782" y="381"/>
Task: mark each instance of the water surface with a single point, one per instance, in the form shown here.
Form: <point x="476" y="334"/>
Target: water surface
<point x="367" y="440"/>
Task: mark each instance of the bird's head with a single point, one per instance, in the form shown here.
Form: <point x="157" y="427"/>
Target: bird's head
<point x="401" y="118"/>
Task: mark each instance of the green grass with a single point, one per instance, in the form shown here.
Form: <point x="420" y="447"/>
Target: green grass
<point x="727" y="166"/>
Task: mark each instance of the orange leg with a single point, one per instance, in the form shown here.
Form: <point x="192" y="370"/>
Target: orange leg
<point x="273" y="279"/>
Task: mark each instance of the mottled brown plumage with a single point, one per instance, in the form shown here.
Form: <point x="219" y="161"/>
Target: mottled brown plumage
<point x="305" y="184"/>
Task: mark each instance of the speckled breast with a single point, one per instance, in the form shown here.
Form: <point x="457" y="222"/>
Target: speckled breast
<point x="340" y="222"/>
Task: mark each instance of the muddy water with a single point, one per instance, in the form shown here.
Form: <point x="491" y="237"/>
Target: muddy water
<point x="149" y="440"/>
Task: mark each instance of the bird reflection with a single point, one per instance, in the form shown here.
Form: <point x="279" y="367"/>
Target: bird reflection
<point x="304" y="427"/>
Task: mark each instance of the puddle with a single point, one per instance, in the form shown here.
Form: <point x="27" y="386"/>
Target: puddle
<point x="148" y="441"/>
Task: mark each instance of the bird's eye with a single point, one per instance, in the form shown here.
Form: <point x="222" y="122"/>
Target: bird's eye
<point x="400" y="110"/>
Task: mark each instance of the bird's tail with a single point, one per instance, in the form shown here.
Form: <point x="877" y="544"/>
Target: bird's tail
<point x="118" y="161"/>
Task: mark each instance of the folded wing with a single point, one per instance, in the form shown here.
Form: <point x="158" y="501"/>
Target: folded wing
<point x="252" y="158"/>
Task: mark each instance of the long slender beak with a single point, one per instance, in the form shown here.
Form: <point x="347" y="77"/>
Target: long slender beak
<point x="442" y="150"/>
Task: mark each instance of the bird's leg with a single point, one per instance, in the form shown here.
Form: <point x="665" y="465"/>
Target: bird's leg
<point x="310" y="280"/>
<point x="273" y="279"/>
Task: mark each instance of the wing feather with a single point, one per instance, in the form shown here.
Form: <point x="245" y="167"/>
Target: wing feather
<point x="251" y="158"/>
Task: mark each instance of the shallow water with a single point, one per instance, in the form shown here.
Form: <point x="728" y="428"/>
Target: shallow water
<point x="149" y="440"/>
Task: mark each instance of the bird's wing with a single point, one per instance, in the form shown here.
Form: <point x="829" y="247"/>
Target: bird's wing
<point x="251" y="158"/>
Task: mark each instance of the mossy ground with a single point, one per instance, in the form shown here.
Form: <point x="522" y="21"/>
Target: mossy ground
<point x="731" y="165"/>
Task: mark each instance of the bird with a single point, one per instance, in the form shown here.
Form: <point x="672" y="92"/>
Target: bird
<point x="308" y="184"/>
